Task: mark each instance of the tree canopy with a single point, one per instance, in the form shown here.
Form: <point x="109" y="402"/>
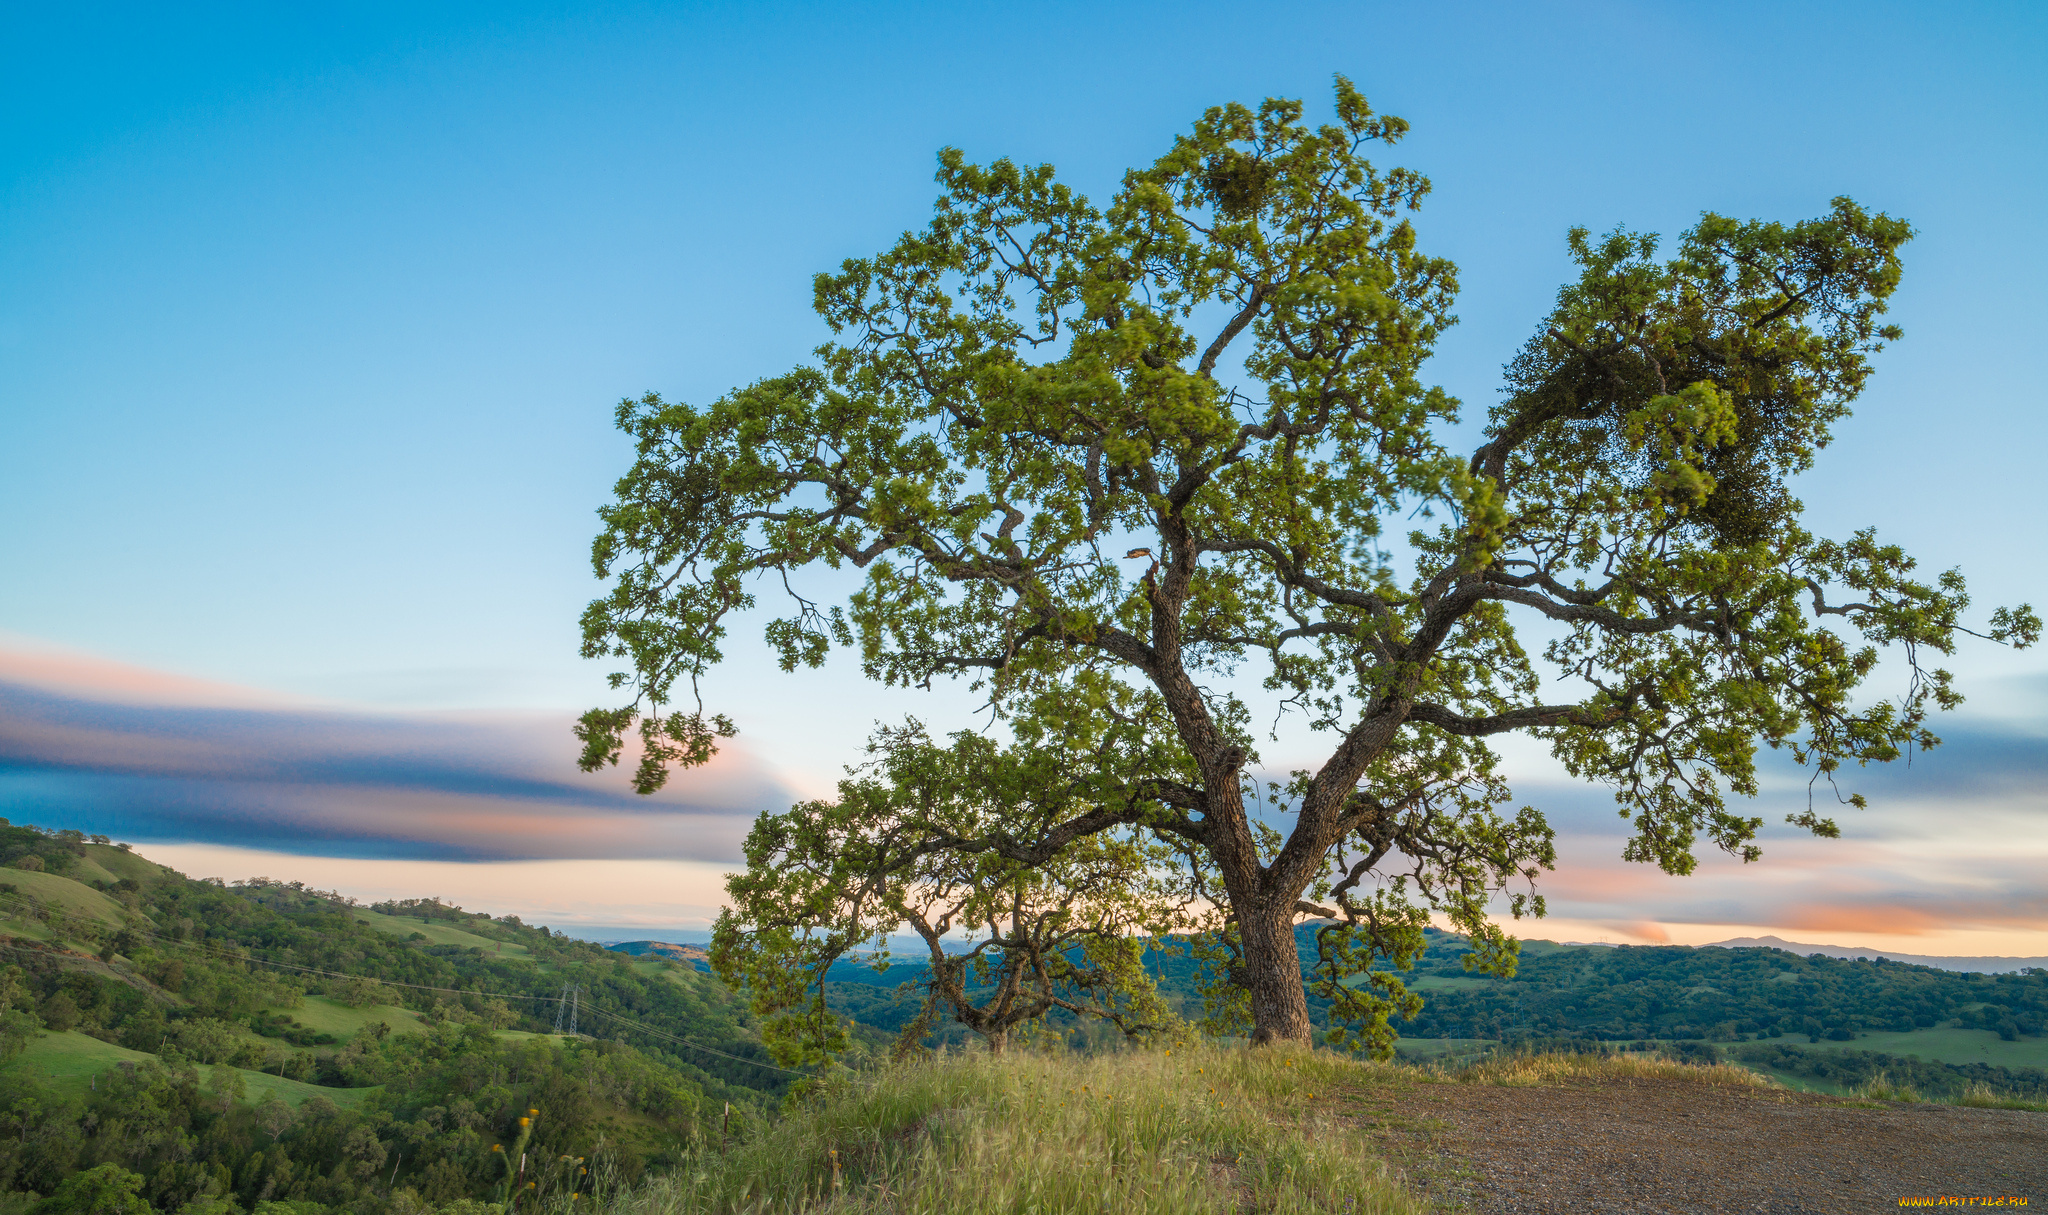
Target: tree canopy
<point x="969" y="837"/>
<point x="1100" y="461"/>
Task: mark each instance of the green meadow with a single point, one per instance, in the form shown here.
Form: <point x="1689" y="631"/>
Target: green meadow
<point x="1944" y="1045"/>
<point x="328" y="1016"/>
<point x="439" y="933"/>
<point x="73" y="898"/>
<point x="71" y="1062"/>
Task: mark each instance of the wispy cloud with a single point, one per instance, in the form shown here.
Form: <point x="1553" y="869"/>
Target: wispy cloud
<point x="1951" y="850"/>
<point x="1947" y="860"/>
<point x="96" y="746"/>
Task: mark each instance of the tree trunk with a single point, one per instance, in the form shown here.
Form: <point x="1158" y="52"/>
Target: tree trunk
<point x="1272" y="973"/>
<point x="998" y="1040"/>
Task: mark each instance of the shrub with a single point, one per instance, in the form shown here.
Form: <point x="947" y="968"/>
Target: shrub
<point x="205" y="1039"/>
<point x="60" y="1012"/>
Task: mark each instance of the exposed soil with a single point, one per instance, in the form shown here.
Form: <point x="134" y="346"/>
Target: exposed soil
<point x="1683" y="1146"/>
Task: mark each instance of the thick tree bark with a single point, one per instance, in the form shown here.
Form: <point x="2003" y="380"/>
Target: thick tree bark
<point x="998" y="1040"/>
<point x="1272" y="974"/>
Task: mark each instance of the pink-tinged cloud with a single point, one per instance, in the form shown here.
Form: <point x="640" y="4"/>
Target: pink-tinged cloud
<point x="1947" y="861"/>
<point x="1647" y="931"/>
<point x="638" y="896"/>
<point x="82" y="746"/>
<point x="30" y="662"/>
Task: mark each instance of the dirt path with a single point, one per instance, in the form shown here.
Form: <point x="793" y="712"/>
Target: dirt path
<point x="1681" y="1146"/>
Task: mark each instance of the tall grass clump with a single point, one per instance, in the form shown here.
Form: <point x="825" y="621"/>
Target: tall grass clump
<point x="1881" y="1088"/>
<point x="1196" y="1128"/>
<point x="1982" y="1096"/>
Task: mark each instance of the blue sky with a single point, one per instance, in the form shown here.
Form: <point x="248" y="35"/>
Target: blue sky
<point x="311" y="323"/>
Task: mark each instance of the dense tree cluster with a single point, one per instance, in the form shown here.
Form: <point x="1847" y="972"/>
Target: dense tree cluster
<point x="39" y="850"/>
<point x="449" y="1104"/>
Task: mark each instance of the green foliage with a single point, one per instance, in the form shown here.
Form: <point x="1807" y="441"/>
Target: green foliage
<point x="39" y="851"/>
<point x="1360" y="1020"/>
<point x="1677" y="992"/>
<point x="1098" y="459"/>
<point x="106" y="1190"/>
<point x="1029" y="917"/>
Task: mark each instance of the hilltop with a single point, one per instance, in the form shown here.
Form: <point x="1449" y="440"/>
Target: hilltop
<point x="1983" y="965"/>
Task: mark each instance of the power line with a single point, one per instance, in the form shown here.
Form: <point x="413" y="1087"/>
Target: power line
<point x="333" y="974"/>
<point x="571" y="995"/>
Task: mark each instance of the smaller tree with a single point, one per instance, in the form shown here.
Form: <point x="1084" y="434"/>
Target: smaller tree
<point x="361" y="992"/>
<point x="229" y="1088"/>
<point x="274" y="1116"/>
<point x="207" y="1039"/>
<point x="18" y="1024"/>
<point x="971" y="844"/>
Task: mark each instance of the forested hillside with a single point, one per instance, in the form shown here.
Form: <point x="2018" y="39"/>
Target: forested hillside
<point x="1669" y="992"/>
<point x="1678" y="992"/>
<point x="219" y="1047"/>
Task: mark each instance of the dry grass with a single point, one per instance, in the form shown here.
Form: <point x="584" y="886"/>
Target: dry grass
<point x="1527" y="1070"/>
<point x="1162" y="1132"/>
<point x="1984" y="1097"/>
<point x="1881" y="1088"/>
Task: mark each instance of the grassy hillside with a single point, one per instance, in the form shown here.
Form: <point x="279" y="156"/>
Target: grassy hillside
<point x="270" y="1042"/>
<point x="71" y="1065"/>
<point x="1185" y="1129"/>
<point x="325" y="1015"/>
<point x="440" y="933"/>
<point x="1178" y="1131"/>
<point x="74" y="898"/>
<point x="69" y="1060"/>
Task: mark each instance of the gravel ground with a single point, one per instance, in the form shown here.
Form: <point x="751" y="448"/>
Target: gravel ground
<point x="1683" y="1146"/>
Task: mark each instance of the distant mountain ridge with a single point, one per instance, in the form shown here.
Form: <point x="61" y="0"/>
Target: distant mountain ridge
<point x="665" y="949"/>
<point x="1979" y="965"/>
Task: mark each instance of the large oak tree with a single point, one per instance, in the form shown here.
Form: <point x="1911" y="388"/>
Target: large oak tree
<point x="1087" y="454"/>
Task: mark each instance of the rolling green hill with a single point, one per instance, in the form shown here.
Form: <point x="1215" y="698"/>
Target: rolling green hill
<point x="74" y="898"/>
<point x="72" y="1062"/>
<point x="1678" y="993"/>
<point x="440" y="933"/>
<point x="269" y="1041"/>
